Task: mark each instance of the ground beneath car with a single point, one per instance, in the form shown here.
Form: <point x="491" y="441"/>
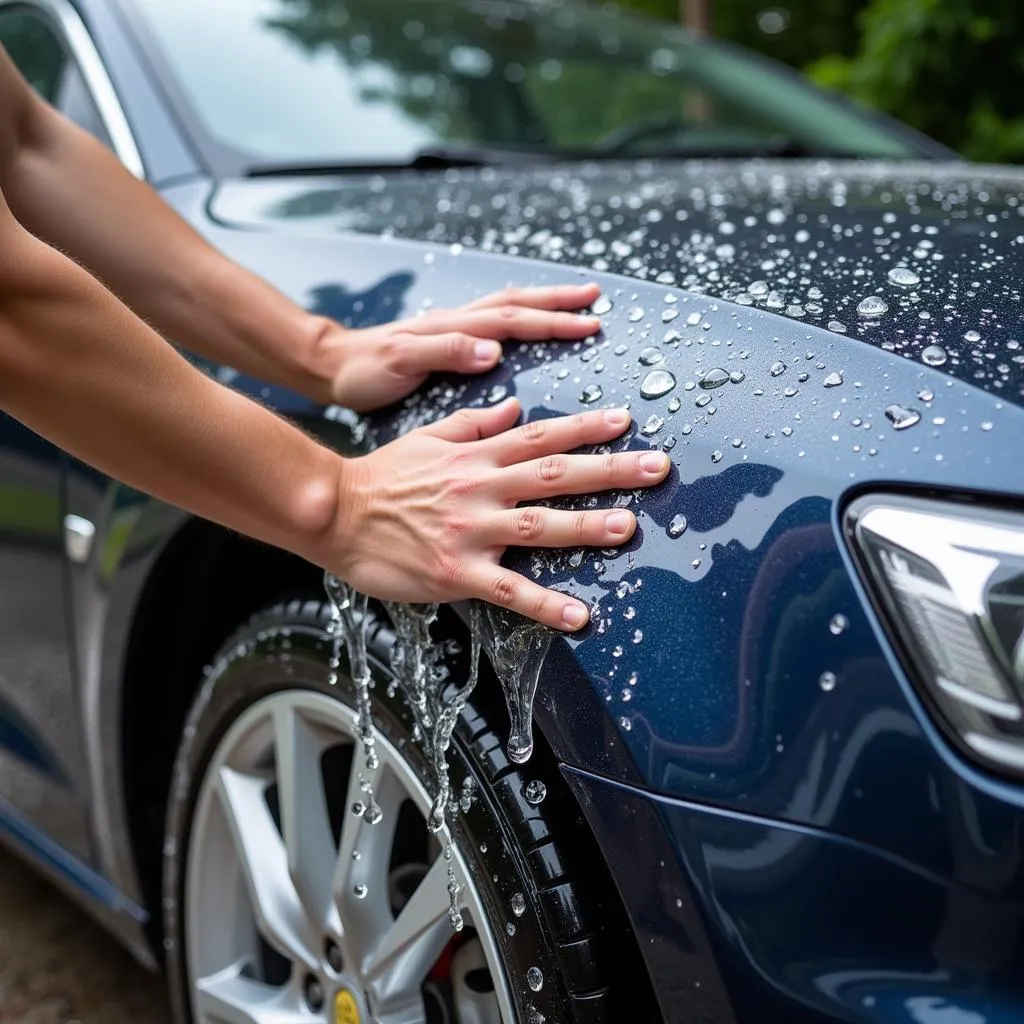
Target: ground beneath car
<point x="58" y="967"/>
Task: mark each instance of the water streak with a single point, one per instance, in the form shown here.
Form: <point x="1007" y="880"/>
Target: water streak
<point x="517" y="648"/>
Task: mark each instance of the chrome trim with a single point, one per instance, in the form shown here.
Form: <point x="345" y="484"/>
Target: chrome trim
<point x="97" y="81"/>
<point x="79" y="534"/>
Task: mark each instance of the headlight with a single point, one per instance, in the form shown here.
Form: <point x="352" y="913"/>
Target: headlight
<point x="949" y="580"/>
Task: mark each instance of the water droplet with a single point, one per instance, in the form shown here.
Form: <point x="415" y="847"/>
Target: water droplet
<point x="925" y="394"/>
<point x="833" y="380"/>
<point x="677" y="527"/>
<point x="359" y="891"/>
<point x="904" y="276"/>
<point x="714" y="378"/>
<point x="873" y="305"/>
<point x="653" y="425"/>
<point x="716" y="456"/>
<point x="668" y="315"/>
<point x="777" y="368"/>
<point x="625" y="724"/>
<point x="359" y="808"/>
<point x="934" y="355"/>
<point x="518" y="904"/>
<point x="651" y="355"/>
<point x="497" y="393"/>
<point x="638" y="636"/>
<point x="635" y="314"/>
<point x="590" y="394"/>
<point x="838" y="624"/>
<point x="790" y="392"/>
<point x="972" y="336"/>
<point x="986" y="425"/>
<point x="673" y="405"/>
<point x="535" y="979"/>
<point x="737" y="376"/>
<point x="535" y="791"/>
<point x="602" y="304"/>
<point x="657" y="383"/>
<point x="693" y="319"/>
<point x="827" y="681"/>
<point x="901" y="417"/>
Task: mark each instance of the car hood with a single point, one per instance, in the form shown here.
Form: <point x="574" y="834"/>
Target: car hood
<point x="920" y="259"/>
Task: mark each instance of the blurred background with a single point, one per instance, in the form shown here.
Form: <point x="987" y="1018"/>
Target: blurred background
<point x="951" y="68"/>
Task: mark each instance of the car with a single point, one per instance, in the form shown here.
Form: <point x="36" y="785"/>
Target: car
<point x="778" y="778"/>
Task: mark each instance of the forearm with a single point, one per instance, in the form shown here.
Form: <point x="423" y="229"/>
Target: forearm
<point x="126" y="235"/>
<point x="79" y="368"/>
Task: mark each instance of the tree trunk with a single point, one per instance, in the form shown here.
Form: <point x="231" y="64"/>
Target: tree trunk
<point x="695" y="15"/>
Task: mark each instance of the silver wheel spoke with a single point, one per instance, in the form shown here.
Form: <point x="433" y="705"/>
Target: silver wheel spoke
<point x="229" y="998"/>
<point x="261" y="852"/>
<point x="307" y="829"/>
<point x="399" y="963"/>
<point x="361" y="873"/>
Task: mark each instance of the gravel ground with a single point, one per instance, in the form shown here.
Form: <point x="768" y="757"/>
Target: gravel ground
<point x="58" y="967"/>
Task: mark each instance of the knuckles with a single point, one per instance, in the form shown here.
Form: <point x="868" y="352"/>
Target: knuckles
<point x="552" y="467"/>
<point x="503" y="591"/>
<point x="528" y="523"/>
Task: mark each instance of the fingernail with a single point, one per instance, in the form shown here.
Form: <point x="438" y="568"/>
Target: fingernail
<point x="653" y="462"/>
<point x="616" y="417"/>
<point x="486" y="351"/>
<point x="617" y="522"/>
<point x="574" y="615"/>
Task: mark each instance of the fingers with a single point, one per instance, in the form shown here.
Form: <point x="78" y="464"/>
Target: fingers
<point x="580" y="474"/>
<point x="554" y="528"/>
<point x="510" y="590"/>
<point x="417" y="354"/>
<point x="562" y="296"/>
<point x="508" y="322"/>
<point x="559" y="434"/>
<point x="475" y="424"/>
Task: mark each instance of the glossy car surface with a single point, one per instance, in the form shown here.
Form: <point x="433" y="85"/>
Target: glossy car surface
<point x="794" y="832"/>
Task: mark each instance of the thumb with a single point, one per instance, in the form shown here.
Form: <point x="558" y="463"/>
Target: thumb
<point x="476" y="424"/>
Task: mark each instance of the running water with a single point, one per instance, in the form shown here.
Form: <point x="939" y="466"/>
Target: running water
<point x="349" y="622"/>
<point x="517" y="647"/>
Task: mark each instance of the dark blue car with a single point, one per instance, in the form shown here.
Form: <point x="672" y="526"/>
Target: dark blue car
<point x="779" y="777"/>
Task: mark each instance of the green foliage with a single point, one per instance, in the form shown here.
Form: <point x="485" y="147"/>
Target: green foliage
<point x="950" y="68"/>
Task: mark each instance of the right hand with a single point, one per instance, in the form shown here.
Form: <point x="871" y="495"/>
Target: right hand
<point x="426" y="518"/>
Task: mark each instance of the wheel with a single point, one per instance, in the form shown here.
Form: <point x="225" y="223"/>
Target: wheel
<point x="282" y="904"/>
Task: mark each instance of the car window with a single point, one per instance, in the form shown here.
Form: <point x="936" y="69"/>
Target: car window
<point x="350" y="81"/>
<point x="38" y="49"/>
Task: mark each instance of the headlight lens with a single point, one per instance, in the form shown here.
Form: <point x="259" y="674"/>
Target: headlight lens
<point x="950" y="581"/>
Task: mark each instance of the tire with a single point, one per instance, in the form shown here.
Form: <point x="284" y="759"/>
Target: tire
<point x="536" y="857"/>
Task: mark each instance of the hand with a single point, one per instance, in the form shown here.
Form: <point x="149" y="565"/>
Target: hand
<point x="375" y="366"/>
<point x="427" y="517"/>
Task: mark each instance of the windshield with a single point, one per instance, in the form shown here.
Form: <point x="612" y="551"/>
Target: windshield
<point x="349" y="82"/>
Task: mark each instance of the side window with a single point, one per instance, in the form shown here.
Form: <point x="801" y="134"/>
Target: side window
<point x="38" y="50"/>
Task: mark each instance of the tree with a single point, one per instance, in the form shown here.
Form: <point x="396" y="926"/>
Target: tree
<point x="949" y="67"/>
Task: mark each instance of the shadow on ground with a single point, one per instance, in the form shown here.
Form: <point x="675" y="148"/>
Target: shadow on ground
<point x="58" y="967"/>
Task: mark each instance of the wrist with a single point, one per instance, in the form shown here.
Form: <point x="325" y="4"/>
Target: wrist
<point x="326" y="509"/>
<point x="322" y="351"/>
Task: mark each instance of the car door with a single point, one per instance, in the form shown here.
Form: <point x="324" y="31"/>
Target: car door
<point x="41" y="766"/>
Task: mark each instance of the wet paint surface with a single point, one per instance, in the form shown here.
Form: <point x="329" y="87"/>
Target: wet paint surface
<point x="922" y="259"/>
<point x="700" y="675"/>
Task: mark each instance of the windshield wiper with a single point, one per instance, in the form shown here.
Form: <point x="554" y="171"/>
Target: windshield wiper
<point x="430" y="158"/>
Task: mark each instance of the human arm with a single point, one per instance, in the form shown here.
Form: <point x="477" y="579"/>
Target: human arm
<point x="426" y="517"/>
<point x="127" y="236"/>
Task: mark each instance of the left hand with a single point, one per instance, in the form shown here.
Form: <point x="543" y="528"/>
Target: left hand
<point x="376" y="366"/>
